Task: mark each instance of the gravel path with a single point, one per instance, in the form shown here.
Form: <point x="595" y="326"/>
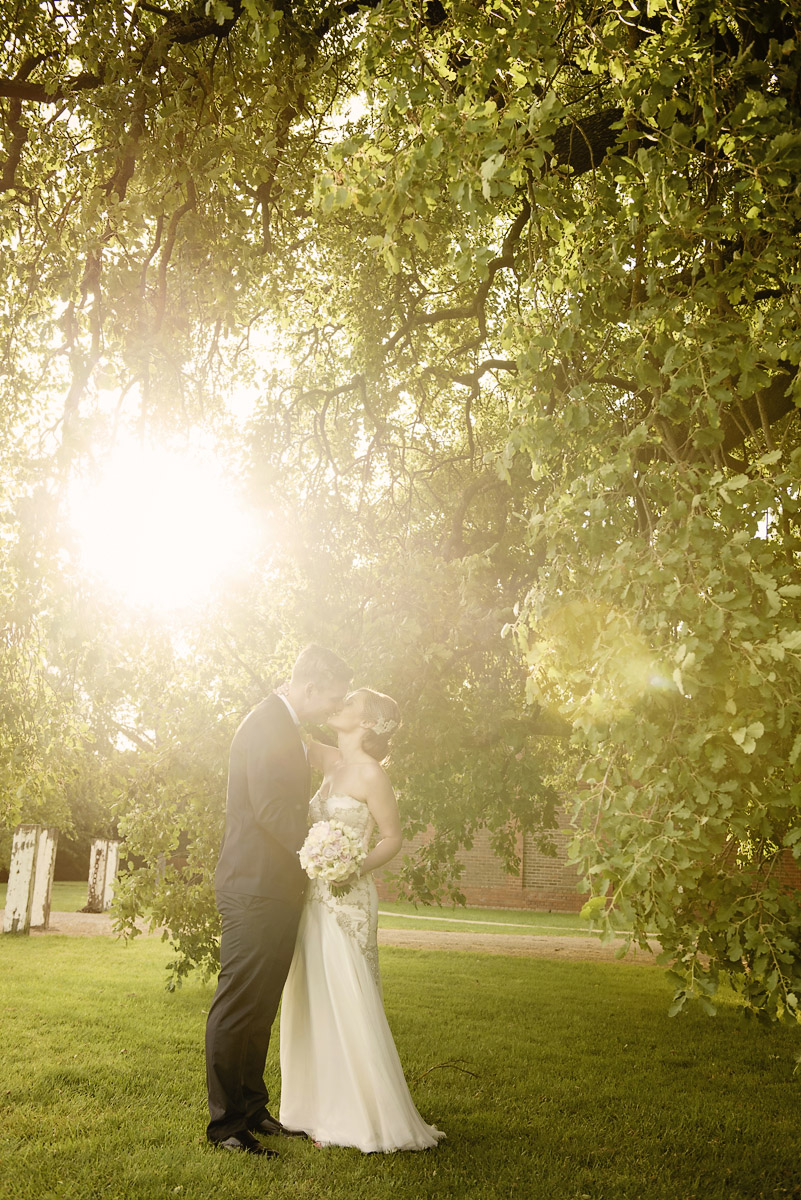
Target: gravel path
<point x="79" y="924"/>
<point x="571" y="949"/>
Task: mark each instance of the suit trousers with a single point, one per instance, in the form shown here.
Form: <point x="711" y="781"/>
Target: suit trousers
<point x="258" y="940"/>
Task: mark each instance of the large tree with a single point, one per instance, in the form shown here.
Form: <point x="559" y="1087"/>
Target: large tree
<point x="517" y="286"/>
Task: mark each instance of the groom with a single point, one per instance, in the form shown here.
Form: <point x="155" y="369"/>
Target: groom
<point x="260" y="885"/>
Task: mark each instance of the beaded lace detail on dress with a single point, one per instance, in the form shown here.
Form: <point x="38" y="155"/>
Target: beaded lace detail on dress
<point x="352" y="910"/>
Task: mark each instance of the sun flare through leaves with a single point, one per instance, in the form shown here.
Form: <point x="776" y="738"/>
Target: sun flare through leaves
<point x="161" y="529"/>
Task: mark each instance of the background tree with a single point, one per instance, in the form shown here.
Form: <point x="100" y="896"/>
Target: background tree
<point x="516" y="289"/>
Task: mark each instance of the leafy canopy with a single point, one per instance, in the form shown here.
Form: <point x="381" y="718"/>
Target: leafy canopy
<point x="515" y="287"/>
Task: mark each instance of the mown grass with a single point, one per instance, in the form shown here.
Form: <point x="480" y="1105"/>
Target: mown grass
<point x="65" y="897"/>
<point x="562" y="1080"/>
<point x="399" y="914"/>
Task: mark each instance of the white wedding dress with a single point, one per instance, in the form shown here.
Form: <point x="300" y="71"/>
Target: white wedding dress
<point x="341" y="1078"/>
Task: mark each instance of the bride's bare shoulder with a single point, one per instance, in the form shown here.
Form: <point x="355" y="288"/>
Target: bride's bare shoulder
<point x="374" y="778"/>
<point x="372" y="769"/>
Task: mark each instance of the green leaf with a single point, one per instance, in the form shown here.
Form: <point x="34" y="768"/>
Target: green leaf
<point x="593" y="908"/>
<point x="796" y="750"/>
<point x="679" y="1001"/>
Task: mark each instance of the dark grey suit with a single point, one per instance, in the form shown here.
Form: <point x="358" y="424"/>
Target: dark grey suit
<point x="260" y="886"/>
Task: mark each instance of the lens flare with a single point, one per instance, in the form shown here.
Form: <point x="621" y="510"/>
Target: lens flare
<point x="594" y="659"/>
<point x="162" y="529"/>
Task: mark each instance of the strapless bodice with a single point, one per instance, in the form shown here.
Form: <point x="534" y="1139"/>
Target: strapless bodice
<point x="338" y="806"/>
<point x="356" y="912"/>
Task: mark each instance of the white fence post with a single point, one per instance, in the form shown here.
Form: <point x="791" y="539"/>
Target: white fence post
<point x="103" y="863"/>
<point x="19" y="895"/>
<point x="112" y="866"/>
<point x="43" y="878"/>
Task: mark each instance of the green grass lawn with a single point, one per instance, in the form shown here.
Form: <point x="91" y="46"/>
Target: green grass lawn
<point x="398" y="914"/>
<point x="557" y="1080"/>
<point x="65" y="897"/>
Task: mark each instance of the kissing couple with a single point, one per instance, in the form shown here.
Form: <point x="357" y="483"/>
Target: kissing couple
<point x="311" y="934"/>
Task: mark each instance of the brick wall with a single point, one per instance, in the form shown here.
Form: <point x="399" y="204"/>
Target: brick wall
<point x="789" y="871"/>
<point x="543" y="884"/>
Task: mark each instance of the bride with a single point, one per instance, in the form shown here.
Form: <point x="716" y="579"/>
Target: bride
<point x="341" y="1078"/>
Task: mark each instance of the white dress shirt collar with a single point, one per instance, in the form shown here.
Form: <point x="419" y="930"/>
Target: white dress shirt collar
<point x="292" y="712"/>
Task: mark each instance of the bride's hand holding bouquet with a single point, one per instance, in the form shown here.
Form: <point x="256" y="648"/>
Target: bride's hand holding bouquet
<point x="334" y="852"/>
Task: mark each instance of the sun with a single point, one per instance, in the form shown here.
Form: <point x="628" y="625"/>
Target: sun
<point x="164" y="530"/>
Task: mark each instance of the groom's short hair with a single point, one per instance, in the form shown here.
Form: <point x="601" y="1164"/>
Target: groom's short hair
<point x="315" y="664"/>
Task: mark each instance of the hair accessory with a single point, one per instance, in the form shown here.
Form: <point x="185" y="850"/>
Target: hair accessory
<point x="385" y="726"/>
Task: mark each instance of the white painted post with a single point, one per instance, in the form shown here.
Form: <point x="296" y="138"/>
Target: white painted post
<point x="97" y="876"/>
<point x="19" y="895"/>
<point x="43" y="878"/>
<point x="112" y="866"/>
<point x="103" y="863"/>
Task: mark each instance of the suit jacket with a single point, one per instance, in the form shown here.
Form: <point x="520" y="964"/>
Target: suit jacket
<point x="266" y="816"/>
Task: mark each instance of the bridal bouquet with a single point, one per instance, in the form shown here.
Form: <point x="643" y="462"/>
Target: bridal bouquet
<point x="331" y="851"/>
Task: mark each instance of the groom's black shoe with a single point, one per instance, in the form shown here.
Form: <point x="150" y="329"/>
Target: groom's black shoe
<point x="272" y="1128"/>
<point x="245" y="1141"/>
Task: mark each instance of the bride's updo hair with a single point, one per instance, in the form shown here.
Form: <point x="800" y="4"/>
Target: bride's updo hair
<point x="384" y="716"/>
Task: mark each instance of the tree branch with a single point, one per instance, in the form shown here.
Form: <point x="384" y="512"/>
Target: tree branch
<point x="476" y="306"/>
<point x="19" y="131"/>
<point x="584" y="144"/>
<point x="39" y="94"/>
<point x="765" y="407"/>
<point x="169" y="246"/>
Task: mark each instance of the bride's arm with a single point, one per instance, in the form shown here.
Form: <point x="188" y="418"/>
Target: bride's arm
<point x="384" y="808"/>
